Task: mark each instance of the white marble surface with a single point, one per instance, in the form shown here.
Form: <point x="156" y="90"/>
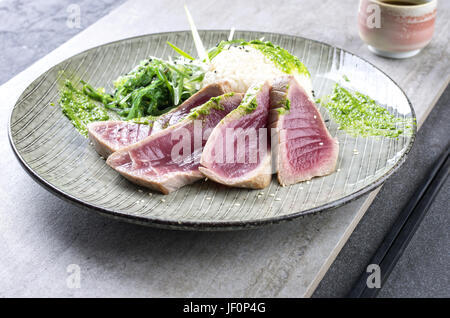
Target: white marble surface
<point x="41" y="235"/>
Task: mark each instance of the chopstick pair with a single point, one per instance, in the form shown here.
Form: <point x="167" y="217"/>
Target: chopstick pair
<point x="399" y="236"/>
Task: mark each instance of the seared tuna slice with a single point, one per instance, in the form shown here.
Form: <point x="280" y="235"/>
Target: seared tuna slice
<point x="302" y="145"/>
<point x="237" y="152"/>
<point x="169" y="159"/>
<point x="110" y="136"/>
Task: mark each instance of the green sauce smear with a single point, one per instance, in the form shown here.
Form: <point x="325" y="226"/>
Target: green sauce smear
<point x="288" y="63"/>
<point x="205" y="109"/>
<point x="284" y="109"/>
<point x="80" y="108"/>
<point x="249" y="103"/>
<point x="360" y="115"/>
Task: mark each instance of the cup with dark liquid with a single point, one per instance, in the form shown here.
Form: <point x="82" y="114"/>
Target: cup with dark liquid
<point x="397" y="29"/>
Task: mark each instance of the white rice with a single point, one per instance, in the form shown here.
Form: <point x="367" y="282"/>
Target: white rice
<point x="244" y="66"/>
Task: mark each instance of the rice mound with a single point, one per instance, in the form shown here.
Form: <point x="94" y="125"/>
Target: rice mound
<point x="243" y="66"/>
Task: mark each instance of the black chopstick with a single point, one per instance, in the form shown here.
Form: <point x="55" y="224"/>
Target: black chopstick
<point x="396" y="241"/>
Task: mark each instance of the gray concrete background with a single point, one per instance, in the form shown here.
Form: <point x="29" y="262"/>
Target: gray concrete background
<point x="29" y="30"/>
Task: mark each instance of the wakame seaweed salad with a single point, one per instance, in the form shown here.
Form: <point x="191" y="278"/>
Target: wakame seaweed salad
<point x="152" y="88"/>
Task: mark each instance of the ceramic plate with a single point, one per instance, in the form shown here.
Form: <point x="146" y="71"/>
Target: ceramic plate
<point x="53" y="152"/>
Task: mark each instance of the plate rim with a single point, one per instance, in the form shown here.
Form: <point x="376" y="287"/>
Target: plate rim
<point x="215" y="225"/>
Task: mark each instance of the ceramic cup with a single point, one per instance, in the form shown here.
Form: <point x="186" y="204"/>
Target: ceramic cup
<point x="397" y="29"/>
